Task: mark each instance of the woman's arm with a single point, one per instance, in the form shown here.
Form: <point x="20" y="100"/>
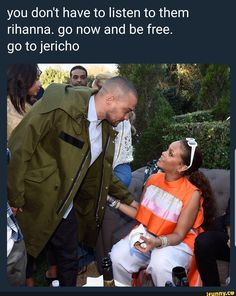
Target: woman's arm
<point x="130" y="210"/>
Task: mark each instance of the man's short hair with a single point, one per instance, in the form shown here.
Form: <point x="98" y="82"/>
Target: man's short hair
<point x="124" y="85"/>
<point x="80" y="68"/>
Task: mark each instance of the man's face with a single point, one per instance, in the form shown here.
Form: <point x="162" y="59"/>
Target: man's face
<point x="119" y="110"/>
<point x="78" y="78"/>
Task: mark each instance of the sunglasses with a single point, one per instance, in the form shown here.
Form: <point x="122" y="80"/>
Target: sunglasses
<point x="193" y="144"/>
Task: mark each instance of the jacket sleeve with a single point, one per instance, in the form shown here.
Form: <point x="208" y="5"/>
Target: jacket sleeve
<point x="120" y="191"/>
<point x="22" y="144"/>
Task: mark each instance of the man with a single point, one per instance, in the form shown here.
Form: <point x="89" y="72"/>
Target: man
<point x="78" y="76"/>
<point x="60" y="172"/>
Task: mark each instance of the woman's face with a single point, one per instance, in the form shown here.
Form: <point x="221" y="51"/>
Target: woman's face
<point x="33" y="90"/>
<point x="171" y="159"/>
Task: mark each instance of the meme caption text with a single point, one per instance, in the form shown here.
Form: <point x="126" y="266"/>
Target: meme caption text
<point x="50" y="29"/>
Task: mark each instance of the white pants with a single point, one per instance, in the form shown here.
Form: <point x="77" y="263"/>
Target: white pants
<point x="158" y="262"/>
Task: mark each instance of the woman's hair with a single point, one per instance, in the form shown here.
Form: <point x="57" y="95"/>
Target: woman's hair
<point x="20" y="78"/>
<point x="100" y="80"/>
<point x="198" y="179"/>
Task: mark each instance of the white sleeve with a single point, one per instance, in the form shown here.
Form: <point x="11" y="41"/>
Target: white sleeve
<point x="10" y="241"/>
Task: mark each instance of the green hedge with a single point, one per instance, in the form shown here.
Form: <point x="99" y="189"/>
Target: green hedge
<point x="213" y="139"/>
<point x="197" y="116"/>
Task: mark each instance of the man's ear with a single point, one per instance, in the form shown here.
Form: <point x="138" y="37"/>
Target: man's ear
<point x="109" y="99"/>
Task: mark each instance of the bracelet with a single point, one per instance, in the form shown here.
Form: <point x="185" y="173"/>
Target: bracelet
<point x="164" y="242"/>
<point x="113" y="202"/>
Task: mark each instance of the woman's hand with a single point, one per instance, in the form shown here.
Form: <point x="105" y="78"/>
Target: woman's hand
<point x="148" y="244"/>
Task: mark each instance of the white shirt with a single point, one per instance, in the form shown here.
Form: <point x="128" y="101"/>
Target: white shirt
<point x="123" y="144"/>
<point x="95" y="131"/>
<point x="10" y="241"/>
<point x="95" y="138"/>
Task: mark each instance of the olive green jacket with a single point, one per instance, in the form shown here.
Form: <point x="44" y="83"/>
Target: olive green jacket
<point x="49" y="168"/>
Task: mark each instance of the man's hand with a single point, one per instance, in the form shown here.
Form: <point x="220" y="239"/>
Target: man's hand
<point x="15" y="210"/>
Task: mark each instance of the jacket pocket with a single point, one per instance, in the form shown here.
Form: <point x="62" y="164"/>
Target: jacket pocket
<point x="42" y="189"/>
<point x="40" y="174"/>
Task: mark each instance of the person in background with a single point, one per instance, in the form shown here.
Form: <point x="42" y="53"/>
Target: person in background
<point x="78" y="76"/>
<point x="175" y="204"/>
<point x="65" y="158"/>
<point x="22" y="84"/>
<point x="213" y="245"/>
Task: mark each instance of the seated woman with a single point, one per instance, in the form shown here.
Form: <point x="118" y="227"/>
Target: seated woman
<point x="172" y="214"/>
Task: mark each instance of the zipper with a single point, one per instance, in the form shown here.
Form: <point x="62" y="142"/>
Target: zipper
<point x="73" y="183"/>
<point x="99" y="199"/>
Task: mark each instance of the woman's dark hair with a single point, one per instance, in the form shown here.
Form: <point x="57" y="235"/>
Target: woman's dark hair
<point x="20" y="78"/>
<point x="198" y="179"/>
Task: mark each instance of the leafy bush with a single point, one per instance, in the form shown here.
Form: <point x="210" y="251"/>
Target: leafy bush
<point x="197" y="116"/>
<point x="53" y="75"/>
<point x="213" y="139"/>
<point x="149" y="143"/>
<point x="214" y="86"/>
<point x="221" y="109"/>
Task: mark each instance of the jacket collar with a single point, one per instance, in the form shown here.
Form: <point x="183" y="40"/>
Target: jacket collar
<point x="73" y="100"/>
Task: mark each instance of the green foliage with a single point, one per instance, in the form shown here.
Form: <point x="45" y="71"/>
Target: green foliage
<point x="203" y="69"/>
<point x="57" y="75"/>
<point x="222" y="109"/>
<point x="215" y="88"/>
<point x="145" y="78"/>
<point x="90" y="80"/>
<point x="54" y="75"/>
<point x="149" y="143"/>
<point x="213" y="139"/>
<point x="153" y="112"/>
<point x="181" y="87"/>
<point x="197" y="116"/>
